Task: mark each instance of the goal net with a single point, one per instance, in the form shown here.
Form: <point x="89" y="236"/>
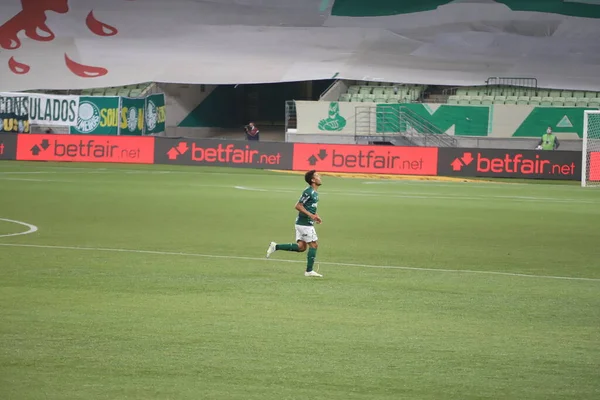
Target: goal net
<point x="590" y="175"/>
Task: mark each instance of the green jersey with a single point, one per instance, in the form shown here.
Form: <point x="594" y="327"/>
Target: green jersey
<point x="309" y="200"/>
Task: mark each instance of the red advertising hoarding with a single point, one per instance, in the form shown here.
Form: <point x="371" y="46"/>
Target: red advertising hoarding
<point x="224" y="153"/>
<point x="86" y="148"/>
<point x="501" y="163"/>
<point x="366" y="159"/>
<point x="594" y="168"/>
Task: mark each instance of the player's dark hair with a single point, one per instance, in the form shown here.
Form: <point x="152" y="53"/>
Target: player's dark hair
<point x="309" y="176"/>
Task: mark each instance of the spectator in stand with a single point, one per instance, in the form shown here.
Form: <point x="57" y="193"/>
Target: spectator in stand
<point x="549" y="141"/>
<point x="252" y="132"/>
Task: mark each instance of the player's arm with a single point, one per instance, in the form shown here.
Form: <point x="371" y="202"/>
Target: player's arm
<point x="300" y="207"/>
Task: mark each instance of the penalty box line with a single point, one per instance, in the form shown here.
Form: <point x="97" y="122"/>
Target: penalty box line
<point x="183" y="254"/>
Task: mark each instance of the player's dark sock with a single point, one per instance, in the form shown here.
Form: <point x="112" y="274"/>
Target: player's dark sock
<point x="312" y="254"/>
<point x="287" y="247"/>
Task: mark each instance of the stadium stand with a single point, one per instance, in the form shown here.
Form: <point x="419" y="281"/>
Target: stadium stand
<point x="137" y="90"/>
<point x="385" y="92"/>
<point x="485" y="95"/>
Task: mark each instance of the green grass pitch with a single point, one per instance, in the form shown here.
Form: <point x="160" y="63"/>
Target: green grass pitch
<point x="150" y="282"/>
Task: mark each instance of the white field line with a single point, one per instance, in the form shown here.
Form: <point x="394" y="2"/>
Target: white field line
<point x="32" y="228"/>
<point x="34" y="180"/>
<point x="476" y="185"/>
<point x="411" y="195"/>
<point x="182" y="254"/>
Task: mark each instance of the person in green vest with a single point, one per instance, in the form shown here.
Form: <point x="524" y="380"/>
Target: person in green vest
<point x="549" y="141"/>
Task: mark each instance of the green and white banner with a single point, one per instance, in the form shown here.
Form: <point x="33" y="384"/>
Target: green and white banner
<point x="502" y="121"/>
<point x="97" y="116"/>
<point x="132" y="116"/>
<point x="155" y="114"/>
<point x="94" y="115"/>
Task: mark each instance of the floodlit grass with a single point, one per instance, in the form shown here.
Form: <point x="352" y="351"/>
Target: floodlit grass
<point x="430" y="290"/>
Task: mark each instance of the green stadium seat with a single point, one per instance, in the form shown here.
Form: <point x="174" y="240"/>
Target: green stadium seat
<point x="461" y="92"/>
<point x="368" y="97"/>
<point x="353" y="89"/>
<point x="558" y="102"/>
<point x="509" y="92"/>
<point x="594" y="103"/>
<point x="541" y="93"/>
<point x="570" y="101"/>
<point x="577" y="94"/>
<point x="546" y="101"/>
<point x="582" y="102"/>
<point x="535" y="101"/>
<point x="523" y="100"/>
<point x="499" y="99"/>
<point x="364" y="90"/>
<point x="590" y="95"/>
<point x="511" y="100"/>
<point x="378" y="91"/>
<point x="555" y="93"/>
<point x="344" y="97"/>
<point x="452" y="99"/>
<point x="464" y="100"/>
<point x="355" y="99"/>
<point x="476" y="100"/>
<point x="87" y="92"/>
<point x="124" y="92"/>
<point x="487" y="100"/>
<point x="380" y="100"/>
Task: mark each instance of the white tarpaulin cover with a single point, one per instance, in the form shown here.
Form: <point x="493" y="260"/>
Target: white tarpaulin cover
<point x="62" y="44"/>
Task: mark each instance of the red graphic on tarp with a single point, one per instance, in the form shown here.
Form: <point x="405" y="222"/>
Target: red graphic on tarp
<point x="32" y="21"/>
<point x="84" y="71"/>
<point x="99" y="28"/>
<point x="17" y="67"/>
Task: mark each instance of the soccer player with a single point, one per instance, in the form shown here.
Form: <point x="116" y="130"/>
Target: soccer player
<point x="306" y="236"/>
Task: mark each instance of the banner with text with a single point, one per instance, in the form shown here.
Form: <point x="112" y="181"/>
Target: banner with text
<point x="43" y="109"/>
<point x="366" y="159"/>
<point x="85" y="148"/>
<point x="14" y="114"/>
<point x="535" y="164"/>
<point x="268" y="155"/>
<point x="155" y="114"/>
<point x="132" y="116"/>
<point x="97" y="116"/>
